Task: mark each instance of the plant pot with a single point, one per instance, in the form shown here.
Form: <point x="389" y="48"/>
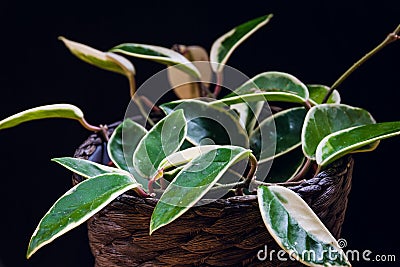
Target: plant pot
<point x="227" y="232"/>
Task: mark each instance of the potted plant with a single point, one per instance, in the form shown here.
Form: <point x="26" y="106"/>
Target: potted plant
<point x="210" y="181"/>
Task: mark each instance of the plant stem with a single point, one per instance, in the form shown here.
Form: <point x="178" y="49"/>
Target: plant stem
<point x="252" y="171"/>
<point x="218" y="87"/>
<point x="390" y="38"/>
<point x="132" y="86"/>
<point x="302" y="172"/>
<point x="88" y="126"/>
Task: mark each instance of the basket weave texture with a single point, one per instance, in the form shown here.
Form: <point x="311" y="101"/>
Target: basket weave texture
<point x="227" y="232"/>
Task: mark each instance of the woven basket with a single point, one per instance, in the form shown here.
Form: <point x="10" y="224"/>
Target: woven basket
<point x="227" y="232"/>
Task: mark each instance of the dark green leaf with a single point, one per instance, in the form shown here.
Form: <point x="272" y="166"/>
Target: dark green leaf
<point x="278" y="134"/>
<point x="193" y="182"/>
<point x="280" y="86"/>
<point x="325" y="119"/>
<point x="50" y="111"/>
<point x="340" y="143"/>
<point x="285" y="167"/>
<point x="122" y="145"/>
<point x="297" y="229"/>
<point x="163" y="139"/>
<point x="248" y="114"/>
<point x="78" y="205"/>
<point x="159" y="54"/>
<point x="318" y="92"/>
<point x="208" y="124"/>
<point x="226" y="44"/>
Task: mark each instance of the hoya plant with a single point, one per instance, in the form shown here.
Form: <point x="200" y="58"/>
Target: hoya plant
<point x="185" y="157"/>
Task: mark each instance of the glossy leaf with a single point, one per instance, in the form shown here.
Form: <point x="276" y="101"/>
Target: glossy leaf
<point x="159" y="54"/>
<point x="193" y="182"/>
<point x="100" y="59"/>
<point x="248" y="113"/>
<point x="121" y="146"/>
<point x="86" y="168"/>
<point x="340" y="143"/>
<point x="77" y="205"/>
<point x="318" y="92"/>
<point x="208" y="124"/>
<point x="277" y="84"/>
<point x="285" y="167"/>
<point x="325" y="119"/>
<point x="260" y="97"/>
<point x="185" y="87"/>
<point x="184" y="156"/>
<point x="123" y="142"/>
<point x="65" y="111"/>
<point x="297" y="229"/>
<point x="163" y="139"/>
<point x="227" y="43"/>
<point x="278" y="134"/>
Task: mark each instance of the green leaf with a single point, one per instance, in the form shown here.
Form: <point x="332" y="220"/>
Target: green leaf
<point x="318" y="92"/>
<point x="122" y="145"/>
<point x="223" y="47"/>
<point x="297" y="229"/>
<point x="260" y="97"/>
<point x="86" y="168"/>
<point x="123" y="142"/>
<point x="248" y="114"/>
<point x="325" y="119"/>
<point x="184" y="156"/>
<point x="285" y="167"/>
<point x="340" y="143"/>
<point x="278" y="134"/>
<point x="208" y="124"/>
<point x="104" y="60"/>
<point x="163" y="139"/>
<point x="43" y="112"/>
<point x="279" y="86"/>
<point x="159" y="54"/>
<point x="193" y="182"/>
<point x="78" y="205"/>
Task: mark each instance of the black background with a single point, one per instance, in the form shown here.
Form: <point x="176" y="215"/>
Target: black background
<point x="315" y="41"/>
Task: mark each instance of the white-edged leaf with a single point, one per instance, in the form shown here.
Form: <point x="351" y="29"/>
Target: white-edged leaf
<point x="165" y="138"/>
<point x="248" y="114"/>
<point x="184" y="156"/>
<point x="77" y="205"/>
<point x="223" y="47"/>
<point x="297" y="229"/>
<point x="278" y="134"/>
<point x="193" y="182"/>
<point x="209" y="124"/>
<point x="276" y="86"/>
<point x="123" y="142"/>
<point x="65" y="111"/>
<point x="350" y="140"/>
<point x="100" y="59"/>
<point x="159" y="54"/>
<point x="86" y="168"/>
<point x="324" y="119"/>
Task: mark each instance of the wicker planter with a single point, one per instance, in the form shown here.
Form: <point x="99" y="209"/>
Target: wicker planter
<point x="227" y="232"/>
